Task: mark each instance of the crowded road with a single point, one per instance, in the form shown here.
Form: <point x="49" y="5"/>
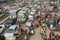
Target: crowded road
<point x="36" y="20"/>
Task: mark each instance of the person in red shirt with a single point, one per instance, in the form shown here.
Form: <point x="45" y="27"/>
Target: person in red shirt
<point x="50" y="36"/>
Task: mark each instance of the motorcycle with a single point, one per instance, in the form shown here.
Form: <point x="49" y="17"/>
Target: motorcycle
<point x="32" y="32"/>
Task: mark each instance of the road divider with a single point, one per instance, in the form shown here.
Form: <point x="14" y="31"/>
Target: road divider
<point x="4" y="20"/>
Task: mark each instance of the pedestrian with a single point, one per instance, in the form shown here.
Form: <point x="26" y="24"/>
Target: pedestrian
<point x="46" y="20"/>
<point x="31" y="29"/>
<point x="56" y="37"/>
<point x="42" y="32"/>
<point x="53" y="37"/>
<point x="19" y="24"/>
<point x="55" y="22"/>
<point x="39" y="21"/>
<point x="51" y="27"/>
<point x="2" y="37"/>
<point x="22" y="36"/>
<point x="59" y="37"/>
<point x="25" y="35"/>
<point x="32" y="26"/>
<point x="45" y="37"/>
<point x="22" y="31"/>
<point x="50" y="36"/>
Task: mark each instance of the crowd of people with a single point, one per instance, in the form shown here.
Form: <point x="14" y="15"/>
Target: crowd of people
<point x="49" y="20"/>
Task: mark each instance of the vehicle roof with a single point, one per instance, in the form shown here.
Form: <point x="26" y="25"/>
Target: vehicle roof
<point x="32" y="12"/>
<point x="29" y="20"/>
<point x="13" y="27"/>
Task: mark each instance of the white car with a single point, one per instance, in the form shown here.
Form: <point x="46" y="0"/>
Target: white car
<point x="29" y="21"/>
<point x="2" y="27"/>
<point x="12" y="32"/>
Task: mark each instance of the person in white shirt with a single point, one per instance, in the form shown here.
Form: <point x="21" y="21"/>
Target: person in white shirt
<point x="51" y="26"/>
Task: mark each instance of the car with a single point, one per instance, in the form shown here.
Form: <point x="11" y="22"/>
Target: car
<point x="12" y="32"/>
<point x="12" y="13"/>
<point x="29" y="21"/>
<point x="10" y="22"/>
<point x="22" y="16"/>
<point x="2" y="27"/>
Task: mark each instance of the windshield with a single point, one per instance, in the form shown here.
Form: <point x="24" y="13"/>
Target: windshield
<point x="10" y="31"/>
<point x="29" y="21"/>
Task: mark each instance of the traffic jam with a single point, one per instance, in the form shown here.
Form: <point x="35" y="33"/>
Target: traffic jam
<point x="37" y="20"/>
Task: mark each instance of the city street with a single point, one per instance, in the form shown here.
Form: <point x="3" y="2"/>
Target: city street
<point x="30" y="19"/>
